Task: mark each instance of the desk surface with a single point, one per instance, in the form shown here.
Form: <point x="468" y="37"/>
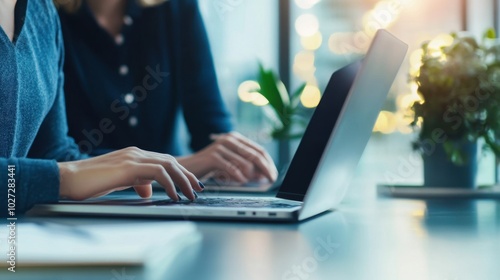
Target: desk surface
<point x="367" y="237"/>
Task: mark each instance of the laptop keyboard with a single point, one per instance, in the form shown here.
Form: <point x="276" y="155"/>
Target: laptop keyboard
<point x="229" y="202"/>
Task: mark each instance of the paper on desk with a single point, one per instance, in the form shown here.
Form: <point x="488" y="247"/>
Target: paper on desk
<point x="51" y="244"/>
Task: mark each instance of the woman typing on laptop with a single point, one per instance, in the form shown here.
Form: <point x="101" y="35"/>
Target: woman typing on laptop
<point x="39" y="163"/>
<point x="138" y="64"/>
<point x="33" y="125"/>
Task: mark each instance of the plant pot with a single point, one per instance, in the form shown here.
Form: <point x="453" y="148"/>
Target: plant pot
<point x="440" y="171"/>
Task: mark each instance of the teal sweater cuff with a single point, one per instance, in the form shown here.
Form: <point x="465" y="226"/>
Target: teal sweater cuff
<point x="34" y="181"/>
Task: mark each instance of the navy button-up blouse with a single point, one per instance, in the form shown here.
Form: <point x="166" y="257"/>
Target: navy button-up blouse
<point x="130" y="90"/>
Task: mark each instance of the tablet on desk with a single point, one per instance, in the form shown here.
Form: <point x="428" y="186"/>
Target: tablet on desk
<point x="421" y="192"/>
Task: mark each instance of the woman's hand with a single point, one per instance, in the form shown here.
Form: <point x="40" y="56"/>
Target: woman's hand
<point x="130" y="167"/>
<point x="233" y="157"/>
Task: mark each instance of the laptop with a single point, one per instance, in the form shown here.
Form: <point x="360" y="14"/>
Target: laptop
<point x="320" y="171"/>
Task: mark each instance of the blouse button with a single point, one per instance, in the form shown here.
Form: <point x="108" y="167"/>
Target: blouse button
<point x="133" y="121"/>
<point x="119" y="39"/>
<point x="123" y="70"/>
<point x="129" y="98"/>
<point x="127" y="20"/>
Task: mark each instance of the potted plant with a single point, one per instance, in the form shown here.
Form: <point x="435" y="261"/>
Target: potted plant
<point x="459" y="84"/>
<point x="287" y="119"/>
<point x="285" y="107"/>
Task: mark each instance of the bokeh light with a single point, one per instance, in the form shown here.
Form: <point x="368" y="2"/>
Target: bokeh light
<point x="311" y="96"/>
<point x="386" y="123"/>
<point x="435" y="46"/>
<point x="247" y="89"/>
<point x="304" y="60"/>
<point x="258" y="99"/>
<point x="307" y="25"/>
<point x="313" y="42"/>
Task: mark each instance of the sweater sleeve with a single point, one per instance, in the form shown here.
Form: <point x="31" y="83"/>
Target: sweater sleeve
<point x="204" y="110"/>
<point x="28" y="182"/>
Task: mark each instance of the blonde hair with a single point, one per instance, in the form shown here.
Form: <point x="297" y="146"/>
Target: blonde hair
<point x="72" y="6"/>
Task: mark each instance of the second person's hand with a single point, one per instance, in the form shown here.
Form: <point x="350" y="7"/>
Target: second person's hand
<point x="233" y="156"/>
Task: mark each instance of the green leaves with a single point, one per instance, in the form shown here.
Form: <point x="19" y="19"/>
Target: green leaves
<point x="274" y="91"/>
<point x="490" y="34"/>
<point x="284" y="105"/>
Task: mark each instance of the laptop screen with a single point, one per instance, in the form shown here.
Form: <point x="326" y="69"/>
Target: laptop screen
<point x="318" y="132"/>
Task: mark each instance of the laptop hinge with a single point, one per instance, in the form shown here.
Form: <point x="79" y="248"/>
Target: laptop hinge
<point x="290" y="196"/>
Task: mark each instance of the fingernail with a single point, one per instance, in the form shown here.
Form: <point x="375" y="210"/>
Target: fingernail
<point x="178" y="196"/>
<point x="195" y="194"/>
<point x="201" y="185"/>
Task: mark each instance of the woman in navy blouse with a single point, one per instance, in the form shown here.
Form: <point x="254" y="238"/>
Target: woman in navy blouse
<point x="132" y="68"/>
<point x="39" y="163"/>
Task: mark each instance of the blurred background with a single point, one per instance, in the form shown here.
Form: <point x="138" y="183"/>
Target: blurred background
<point x="306" y="40"/>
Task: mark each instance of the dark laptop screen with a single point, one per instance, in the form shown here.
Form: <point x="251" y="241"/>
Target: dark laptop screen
<point x="313" y="143"/>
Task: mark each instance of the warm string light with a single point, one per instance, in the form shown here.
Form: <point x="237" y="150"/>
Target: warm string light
<point x="313" y="42"/>
<point x="310" y="96"/>
<point x="307" y="27"/>
<point x="248" y="92"/>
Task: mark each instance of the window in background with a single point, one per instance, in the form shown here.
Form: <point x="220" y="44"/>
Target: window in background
<point x="480" y="15"/>
<point x="326" y="35"/>
<point x="242" y="33"/>
<point x="331" y="33"/>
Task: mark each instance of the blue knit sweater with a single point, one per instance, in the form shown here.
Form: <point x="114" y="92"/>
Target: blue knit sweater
<point x="33" y="129"/>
